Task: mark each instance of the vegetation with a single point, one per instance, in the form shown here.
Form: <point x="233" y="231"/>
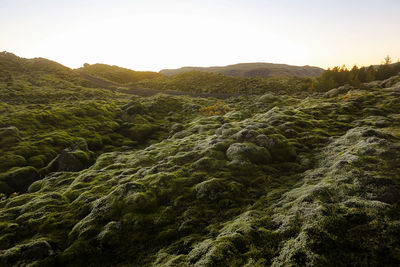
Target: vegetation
<point x="250" y="70"/>
<point x="92" y="177"/>
<point x="218" y="109"/>
<point x="117" y="74"/>
<point x="207" y="82"/>
<point x="339" y="76"/>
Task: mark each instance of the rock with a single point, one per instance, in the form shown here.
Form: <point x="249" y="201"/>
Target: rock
<point x="109" y="236"/>
<point x="19" y="179"/>
<point x="133" y="107"/>
<point x="74" y="158"/>
<point x="26" y="254"/>
<point x="248" y="152"/>
<point x="267" y="98"/>
<point x="206" y="164"/>
<point x="279" y="147"/>
<point x="9" y="136"/>
<point x="371" y="85"/>
<point x="35" y="186"/>
<point x="126" y="189"/>
<point x="245" y="135"/>
<point x="177" y="127"/>
<point x="216" y="189"/>
<point x="338" y="91"/>
<point x="69" y="161"/>
<point x="36" y="250"/>
<point x="390" y="81"/>
<point x="5" y="188"/>
<point x="264" y="141"/>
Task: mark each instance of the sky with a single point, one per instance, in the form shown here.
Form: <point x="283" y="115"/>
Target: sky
<point x="158" y="34"/>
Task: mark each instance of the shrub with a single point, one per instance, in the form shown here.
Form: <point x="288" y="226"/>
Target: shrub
<point x="218" y="109"/>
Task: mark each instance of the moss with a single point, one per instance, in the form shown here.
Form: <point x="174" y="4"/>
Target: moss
<point x="248" y="152"/>
<point x="141" y="132"/>
<point x="20" y="178"/>
<point x="5" y="188"/>
<point x="9" y="160"/>
<point x="311" y="182"/>
<point x="9" y="136"/>
<point x="37" y="161"/>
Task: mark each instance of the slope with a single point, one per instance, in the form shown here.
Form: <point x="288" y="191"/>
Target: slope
<point x="116" y="74"/>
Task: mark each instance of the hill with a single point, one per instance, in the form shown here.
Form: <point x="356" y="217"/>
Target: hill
<point x="208" y="82"/>
<point x="41" y="81"/>
<point x="12" y="66"/>
<point x="116" y="74"/>
<point x="93" y="177"/>
<point x="266" y="70"/>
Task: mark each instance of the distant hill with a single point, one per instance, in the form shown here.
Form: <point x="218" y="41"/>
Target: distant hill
<point x="116" y="74"/>
<point x="217" y="83"/>
<point x="254" y="70"/>
<point x="11" y="63"/>
<point x="39" y="80"/>
<point x="24" y="72"/>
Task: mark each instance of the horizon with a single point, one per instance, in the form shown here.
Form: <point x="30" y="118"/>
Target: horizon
<point x="213" y="66"/>
<point x="155" y="35"/>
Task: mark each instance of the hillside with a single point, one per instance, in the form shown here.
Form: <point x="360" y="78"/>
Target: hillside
<point x="95" y="177"/>
<point x="266" y="70"/>
<point x="40" y="81"/>
<point x="36" y="70"/>
<point x="116" y="74"/>
<point x="208" y="82"/>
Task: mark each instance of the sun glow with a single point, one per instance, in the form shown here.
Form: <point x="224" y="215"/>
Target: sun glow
<point x="151" y="35"/>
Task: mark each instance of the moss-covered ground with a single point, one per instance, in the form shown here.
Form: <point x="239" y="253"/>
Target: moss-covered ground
<point x="275" y="181"/>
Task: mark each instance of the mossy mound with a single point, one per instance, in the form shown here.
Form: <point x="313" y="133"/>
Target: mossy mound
<point x="292" y="182"/>
<point x="68" y="136"/>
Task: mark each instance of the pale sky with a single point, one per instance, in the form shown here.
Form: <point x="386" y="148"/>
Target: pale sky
<point x="158" y="34"/>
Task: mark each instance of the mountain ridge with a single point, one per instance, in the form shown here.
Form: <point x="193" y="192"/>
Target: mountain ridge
<point x="253" y="69"/>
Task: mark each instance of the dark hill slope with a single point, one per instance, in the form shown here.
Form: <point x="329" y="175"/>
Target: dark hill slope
<point x="40" y="80"/>
<point x="12" y="66"/>
<point x="116" y="74"/>
<point x="254" y="70"/>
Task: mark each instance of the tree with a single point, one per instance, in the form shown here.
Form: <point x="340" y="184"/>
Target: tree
<point x="370" y="75"/>
<point x="388" y="60"/>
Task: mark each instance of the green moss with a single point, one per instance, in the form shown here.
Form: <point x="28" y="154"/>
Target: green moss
<point x="37" y="161"/>
<point x="311" y="182"/>
<point x="19" y="178"/>
<point x="141" y="132"/>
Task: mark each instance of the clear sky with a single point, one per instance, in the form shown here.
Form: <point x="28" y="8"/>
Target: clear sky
<point x="157" y="34"/>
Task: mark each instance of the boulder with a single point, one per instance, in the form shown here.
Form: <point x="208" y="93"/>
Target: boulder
<point x="267" y="98"/>
<point x="9" y="136"/>
<point x="390" y="81"/>
<point x="278" y="146"/>
<point x="19" y="179"/>
<point x="26" y="254"/>
<point x="177" y="127"/>
<point x="338" y="91"/>
<point x="248" y="152"/>
<point x="74" y="158"/>
<point x="245" y="135"/>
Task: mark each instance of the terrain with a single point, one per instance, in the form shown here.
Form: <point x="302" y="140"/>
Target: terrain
<point x="266" y="70"/>
<point x="280" y="176"/>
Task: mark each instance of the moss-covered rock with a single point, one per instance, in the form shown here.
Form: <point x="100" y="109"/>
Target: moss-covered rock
<point x="281" y="181"/>
<point x="19" y="179"/>
<point x="9" y="136"/>
<point x="26" y="253"/>
<point x="248" y="152"/>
